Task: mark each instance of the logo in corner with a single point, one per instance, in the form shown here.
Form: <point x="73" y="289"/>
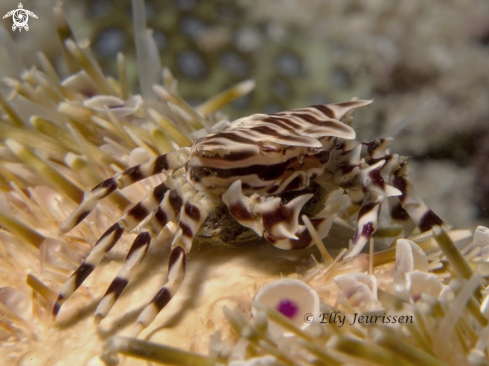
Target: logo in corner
<point x="20" y="17"/>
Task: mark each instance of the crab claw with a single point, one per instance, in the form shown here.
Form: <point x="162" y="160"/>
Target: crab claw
<point x="240" y="207"/>
<point x="265" y="216"/>
<point x="281" y="221"/>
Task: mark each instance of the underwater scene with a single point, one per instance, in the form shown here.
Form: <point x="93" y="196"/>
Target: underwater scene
<point x="244" y="183"/>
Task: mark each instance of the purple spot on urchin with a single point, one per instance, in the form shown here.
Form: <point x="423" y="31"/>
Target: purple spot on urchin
<point x="287" y="308"/>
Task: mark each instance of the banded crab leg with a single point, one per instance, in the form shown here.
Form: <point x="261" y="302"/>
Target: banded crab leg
<point x="168" y="209"/>
<point x="366" y="223"/>
<point x="375" y="189"/>
<point x="159" y="164"/>
<point x="412" y="204"/>
<point x="128" y="222"/>
<point x="192" y="216"/>
<point x="386" y="167"/>
<point x="277" y="223"/>
<point x="408" y="208"/>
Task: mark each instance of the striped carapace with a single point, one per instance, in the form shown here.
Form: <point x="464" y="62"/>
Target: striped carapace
<point x="246" y="167"/>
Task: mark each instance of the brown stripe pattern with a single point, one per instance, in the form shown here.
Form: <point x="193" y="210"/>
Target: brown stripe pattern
<point x="191" y="218"/>
<point x="248" y="164"/>
<point x="166" y="211"/>
<point x="266" y="216"/>
<point x="264" y="150"/>
<point x="170" y="161"/>
<point x="418" y="211"/>
<point x="134" y="257"/>
<point x="102" y="247"/>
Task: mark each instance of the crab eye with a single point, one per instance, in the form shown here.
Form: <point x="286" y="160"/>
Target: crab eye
<point x="314" y="151"/>
<point x="212" y="150"/>
<point x="270" y="149"/>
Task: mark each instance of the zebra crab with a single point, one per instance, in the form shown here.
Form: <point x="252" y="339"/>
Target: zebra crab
<point x="248" y="167"/>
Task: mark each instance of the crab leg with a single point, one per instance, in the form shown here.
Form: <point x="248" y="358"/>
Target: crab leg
<point x="166" y="211"/>
<point x="192" y="216"/>
<point x="422" y="215"/>
<point x="103" y="245"/>
<point x="128" y="222"/>
<point x="375" y="190"/>
<point x="399" y="215"/>
<point x="159" y="164"/>
<point x="409" y="209"/>
<point x="366" y="224"/>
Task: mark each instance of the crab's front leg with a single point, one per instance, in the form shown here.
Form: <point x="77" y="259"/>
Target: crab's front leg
<point x="277" y="223"/>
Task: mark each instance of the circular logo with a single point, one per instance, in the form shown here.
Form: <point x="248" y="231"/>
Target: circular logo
<point x="20" y="18"/>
